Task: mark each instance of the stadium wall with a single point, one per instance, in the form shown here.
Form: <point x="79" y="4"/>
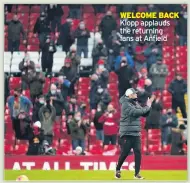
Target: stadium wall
<point x="93" y="162"/>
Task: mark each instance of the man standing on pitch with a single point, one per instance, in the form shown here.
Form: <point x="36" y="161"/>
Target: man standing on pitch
<point x="130" y="128"/>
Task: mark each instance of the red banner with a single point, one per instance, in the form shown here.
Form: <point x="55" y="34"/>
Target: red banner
<point x="93" y="162"/>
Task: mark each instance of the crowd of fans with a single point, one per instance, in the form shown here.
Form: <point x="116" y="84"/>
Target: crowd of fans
<point x="139" y="65"/>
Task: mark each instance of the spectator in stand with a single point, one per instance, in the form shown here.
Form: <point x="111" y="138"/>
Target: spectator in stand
<point x="102" y="73"/>
<point x="83" y="110"/>
<point x="153" y="51"/>
<point x="179" y="139"/>
<point x="8" y="8"/>
<point x="6" y="88"/>
<point x="36" y="83"/>
<point x="47" y="115"/>
<point x="82" y="35"/>
<point x="178" y="88"/>
<point x="97" y="35"/>
<point x="71" y="74"/>
<point x="98" y="51"/>
<point x="140" y="59"/>
<point x="123" y="55"/>
<point x="63" y="85"/>
<point x="167" y="122"/>
<point x="15" y="28"/>
<point x="110" y="120"/>
<point x="37" y="105"/>
<point x="144" y="91"/>
<point x="181" y="28"/>
<point x="99" y="126"/>
<point x="153" y="119"/>
<point x="75" y="11"/>
<point x="75" y="59"/>
<point x="158" y="72"/>
<point x="114" y="46"/>
<point x="48" y="50"/>
<point x="93" y="89"/>
<point x="57" y="101"/>
<point x="36" y="138"/>
<point x="54" y="14"/>
<point x="107" y="25"/>
<point x="23" y="125"/>
<point x="27" y="67"/>
<point x="42" y="28"/>
<point x="73" y="106"/>
<point x="78" y="128"/>
<point x="65" y="38"/>
<point x="102" y="97"/>
<point x="17" y="103"/>
<point x="126" y="76"/>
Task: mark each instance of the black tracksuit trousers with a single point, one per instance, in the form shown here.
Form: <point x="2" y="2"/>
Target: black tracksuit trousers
<point x="127" y="143"/>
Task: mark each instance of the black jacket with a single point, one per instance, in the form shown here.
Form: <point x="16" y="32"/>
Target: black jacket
<point x="70" y="73"/>
<point x="153" y="119"/>
<point x="82" y="40"/>
<point x="65" y="37"/>
<point x="24" y="70"/>
<point x="103" y="98"/>
<point x="14" y="30"/>
<point x="107" y="25"/>
<point x="143" y="96"/>
<point x="58" y="103"/>
<point x="98" y="126"/>
<point x="35" y="142"/>
<point x="104" y="77"/>
<point x="36" y="84"/>
<point x="125" y="74"/>
<point x="56" y="11"/>
<point x="41" y="26"/>
<point x="48" y="49"/>
<point x="35" y="116"/>
<point x="178" y="90"/>
<point x="130" y="117"/>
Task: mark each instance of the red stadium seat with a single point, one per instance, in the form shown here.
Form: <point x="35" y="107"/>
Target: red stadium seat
<point x="33" y="48"/>
<point x="8" y="119"/>
<point x="54" y="80"/>
<point x="26" y="93"/>
<point x="83" y="93"/>
<point x="63" y="150"/>
<point x="20" y="149"/>
<point x="112" y="86"/>
<point x="89" y="15"/>
<point x="22" y="47"/>
<point x="9" y="128"/>
<point x="34" y="41"/>
<point x="23" y="142"/>
<point x="88" y="8"/>
<point x="55" y="143"/>
<point x="9" y="16"/>
<point x="155" y="149"/>
<point x="166" y="149"/>
<point x="10" y="137"/>
<point x="14" y="82"/>
<point x="35" y="9"/>
<point x="8" y="149"/>
<point x="95" y="149"/>
<point x="23" y="9"/>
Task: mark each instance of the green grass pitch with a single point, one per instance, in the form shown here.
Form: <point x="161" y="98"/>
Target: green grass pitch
<point x="160" y="175"/>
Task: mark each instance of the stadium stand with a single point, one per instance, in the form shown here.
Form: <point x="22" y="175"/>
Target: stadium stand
<point x="174" y="56"/>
